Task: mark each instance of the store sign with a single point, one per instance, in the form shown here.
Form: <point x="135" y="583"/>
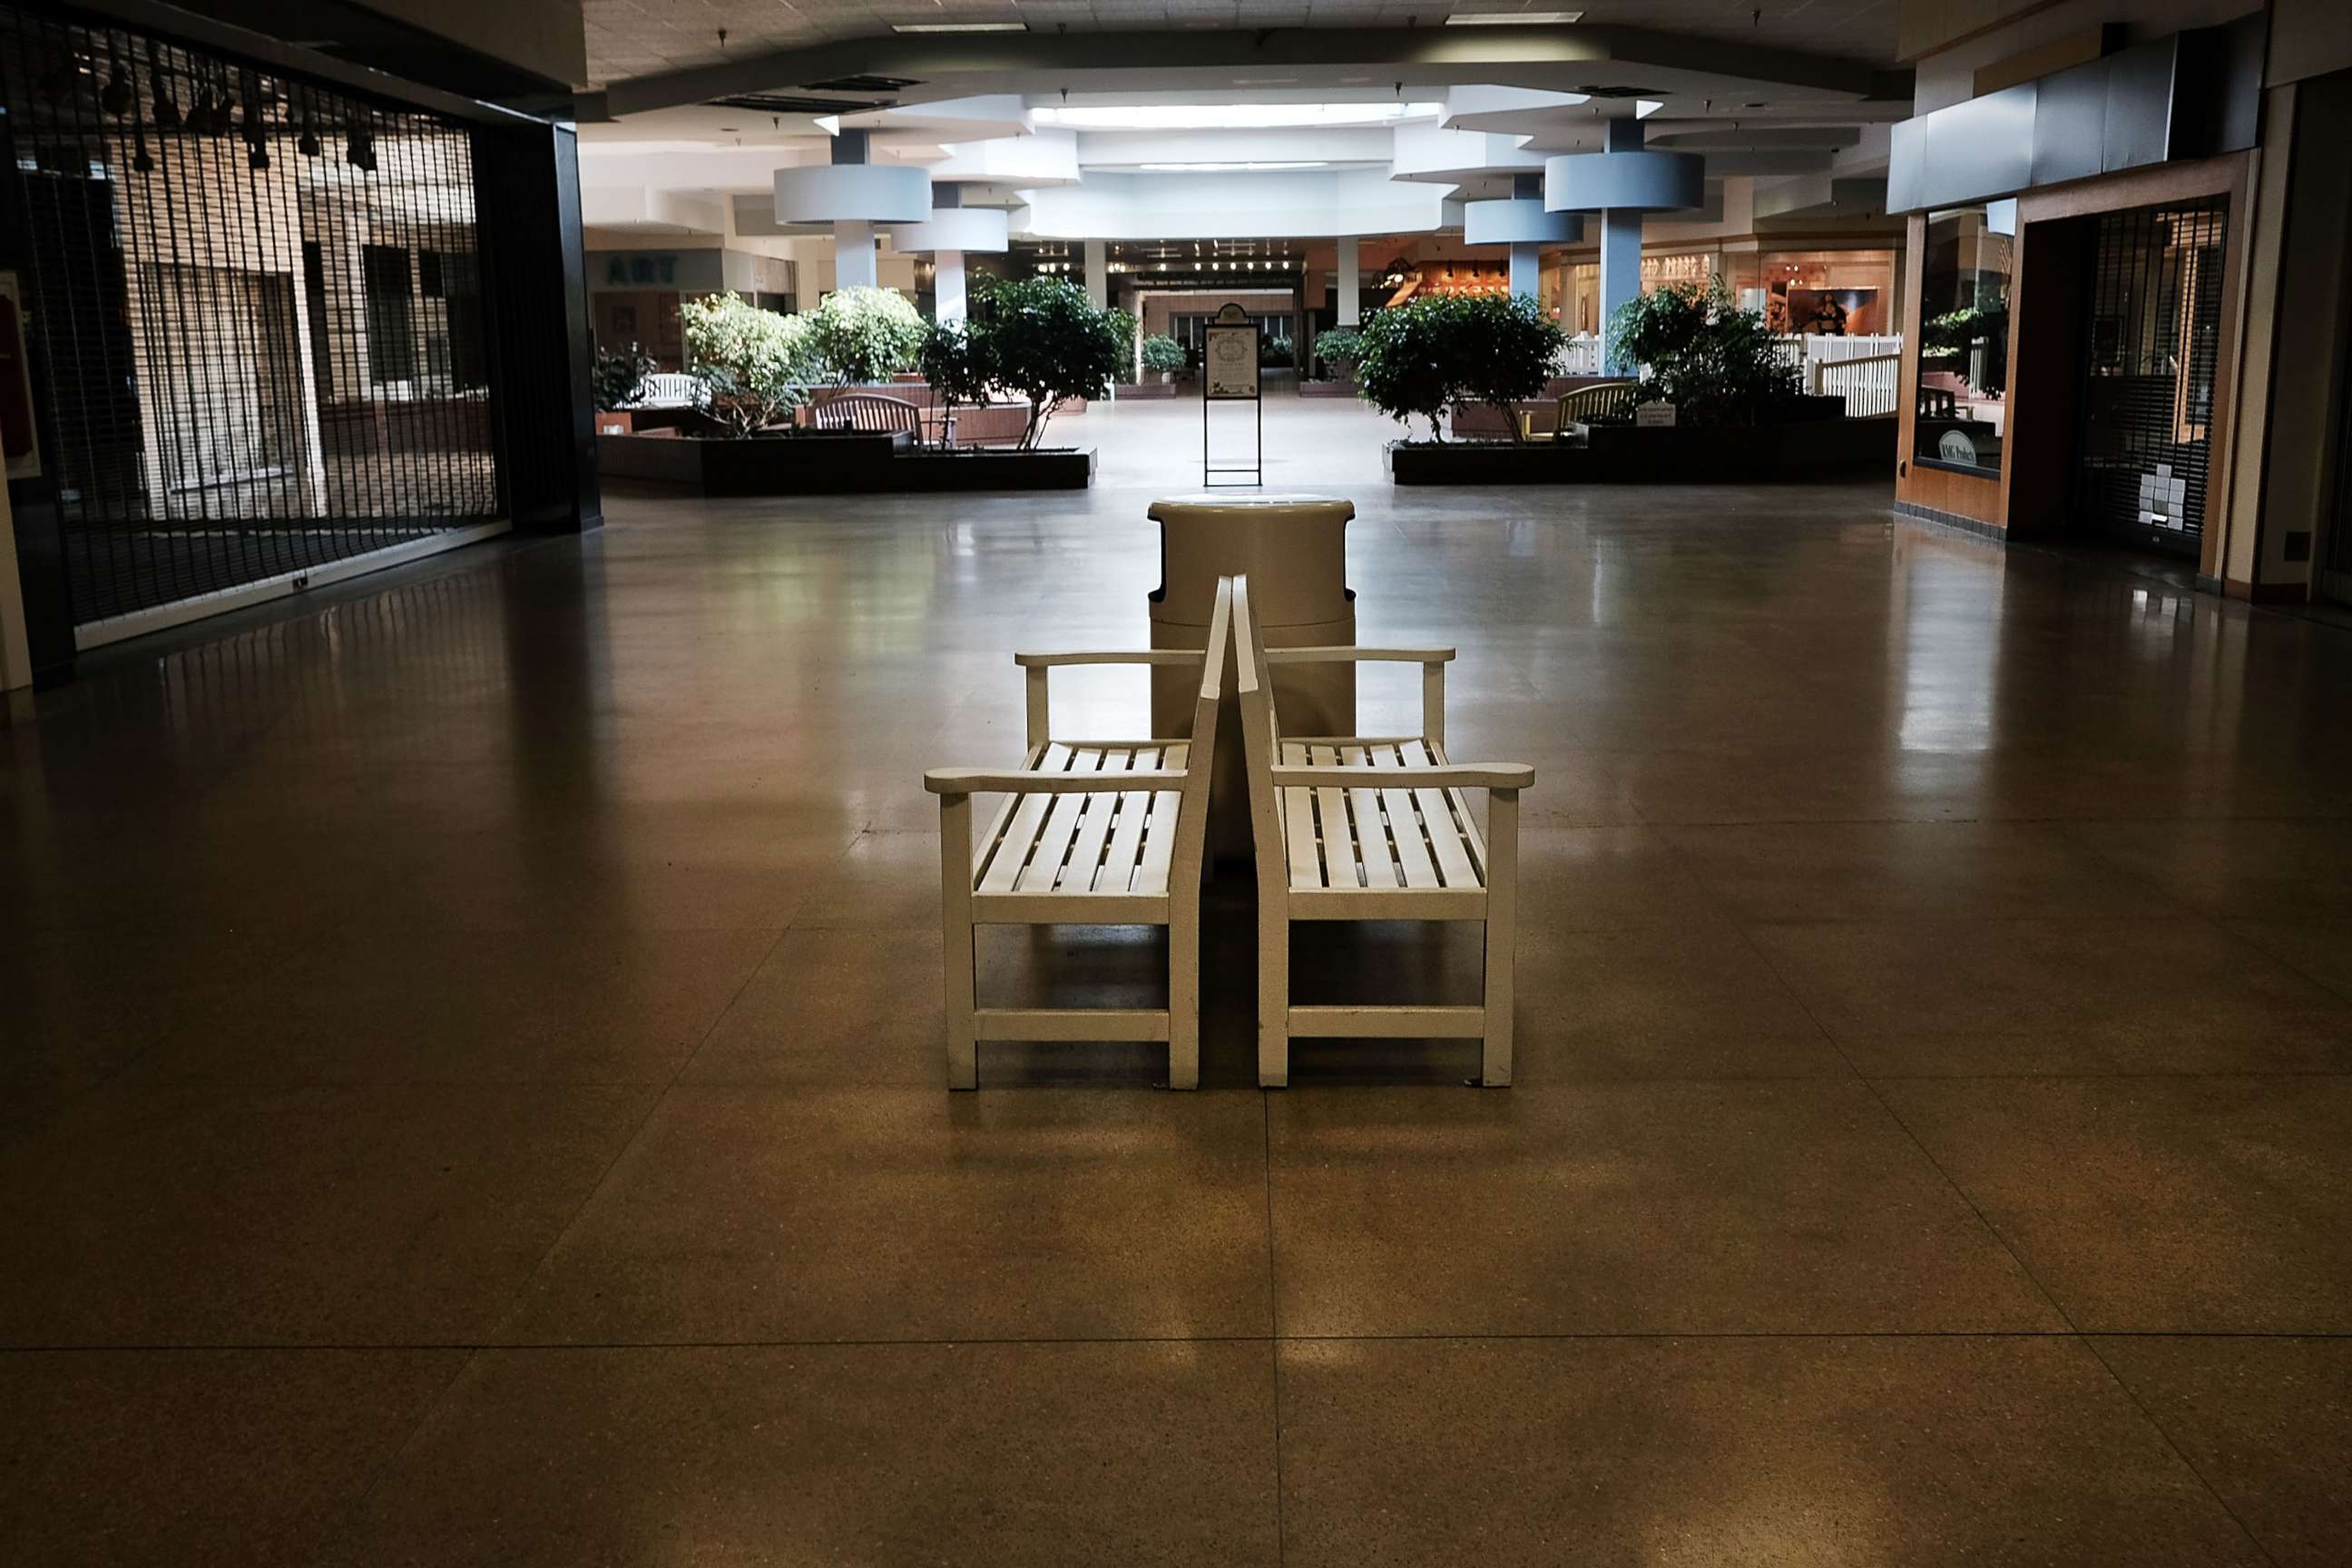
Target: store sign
<point x="1229" y="357"/>
<point x="1653" y="416"/>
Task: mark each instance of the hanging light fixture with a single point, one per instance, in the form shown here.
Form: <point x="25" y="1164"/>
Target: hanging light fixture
<point x="307" y="143"/>
<point x="167" y="112"/>
<point x="141" y="158"/>
<point x="359" y="151"/>
<point x="116" y="96"/>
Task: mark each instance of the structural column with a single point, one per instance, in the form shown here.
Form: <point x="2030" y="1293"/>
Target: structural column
<point x="855" y="264"/>
<point x="1520" y="223"/>
<point x="1098" y="273"/>
<point x="1349" y="273"/>
<point x="850" y="195"/>
<point x="1621" y="183"/>
<point x="947" y="286"/>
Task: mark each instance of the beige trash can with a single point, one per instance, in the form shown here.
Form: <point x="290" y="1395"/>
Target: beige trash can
<point x="1293" y="549"/>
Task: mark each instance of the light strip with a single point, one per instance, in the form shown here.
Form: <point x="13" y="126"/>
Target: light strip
<point x="1232" y="168"/>
<point x="1513" y="18"/>
<point x="1231" y="116"/>
<point x="959" y="26"/>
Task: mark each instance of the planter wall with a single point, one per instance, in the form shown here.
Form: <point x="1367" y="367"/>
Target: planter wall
<point x="1327" y="389"/>
<point x="835" y="463"/>
<point x="1792" y="453"/>
<point x="1141" y="391"/>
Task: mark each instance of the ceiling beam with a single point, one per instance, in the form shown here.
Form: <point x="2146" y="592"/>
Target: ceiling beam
<point x="955" y="64"/>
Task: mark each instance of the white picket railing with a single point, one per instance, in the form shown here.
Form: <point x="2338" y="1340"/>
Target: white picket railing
<point x="1868" y="383"/>
<point x="1822" y="361"/>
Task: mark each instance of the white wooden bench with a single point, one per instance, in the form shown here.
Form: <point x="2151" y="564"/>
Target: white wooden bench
<point x="1355" y="827"/>
<point x="869" y="411"/>
<point x="1089" y="833"/>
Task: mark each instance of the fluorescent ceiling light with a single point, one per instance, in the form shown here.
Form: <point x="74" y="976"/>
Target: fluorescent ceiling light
<point x="1232" y="168"/>
<point x="1231" y="116"/>
<point x="1513" y="18"/>
<point x="959" y="26"/>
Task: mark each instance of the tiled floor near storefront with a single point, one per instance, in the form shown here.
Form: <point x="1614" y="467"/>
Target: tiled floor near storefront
<point x="470" y="1081"/>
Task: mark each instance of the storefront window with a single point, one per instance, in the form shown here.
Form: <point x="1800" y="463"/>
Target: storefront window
<point x="1964" y="337"/>
<point x="1819" y="293"/>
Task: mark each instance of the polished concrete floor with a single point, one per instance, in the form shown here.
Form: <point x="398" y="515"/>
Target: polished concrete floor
<point x="470" y="1083"/>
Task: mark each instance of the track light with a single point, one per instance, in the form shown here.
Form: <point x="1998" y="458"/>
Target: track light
<point x="116" y="95"/>
<point x="165" y="108"/>
<point x="141" y="158"/>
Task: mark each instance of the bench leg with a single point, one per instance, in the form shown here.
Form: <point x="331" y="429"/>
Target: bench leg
<point x="1273" y="994"/>
<point x="1502" y="931"/>
<point x="1184" y="997"/>
<point x="956" y="939"/>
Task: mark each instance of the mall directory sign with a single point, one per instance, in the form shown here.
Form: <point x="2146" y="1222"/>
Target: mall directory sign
<point x="1229" y="360"/>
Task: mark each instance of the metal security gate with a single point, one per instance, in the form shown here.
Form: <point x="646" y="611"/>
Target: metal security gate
<point x="2152" y="334"/>
<point x="255" y="305"/>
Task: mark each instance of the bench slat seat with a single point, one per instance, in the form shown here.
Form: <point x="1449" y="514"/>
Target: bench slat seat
<point x="1353" y="828"/>
<point x="1088" y="832"/>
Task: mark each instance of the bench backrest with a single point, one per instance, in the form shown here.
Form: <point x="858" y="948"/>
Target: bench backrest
<point x="1200" y="760"/>
<point x="868" y="411"/>
<point x="1602" y="400"/>
<point x="1261" y="747"/>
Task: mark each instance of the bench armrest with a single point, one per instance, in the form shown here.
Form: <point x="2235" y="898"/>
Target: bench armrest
<point x="1110" y="656"/>
<point x="1339" y="654"/>
<point x="1432" y="662"/>
<point x="1454" y="775"/>
<point x="988" y="781"/>
<point x="1039" y="726"/>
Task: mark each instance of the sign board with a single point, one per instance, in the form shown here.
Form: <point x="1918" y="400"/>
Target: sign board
<point x="1651" y="416"/>
<point x="1229" y="360"/>
<point x="1229" y="375"/>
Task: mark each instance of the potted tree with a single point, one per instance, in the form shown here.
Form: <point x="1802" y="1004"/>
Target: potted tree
<point x="757" y="364"/>
<point x="1421" y="359"/>
<point x="864" y="335"/>
<point x="1335" y="353"/>
<point x="1163" y="356"/>
<point x="1040" y="340"/>
<point x="618" y="381"/>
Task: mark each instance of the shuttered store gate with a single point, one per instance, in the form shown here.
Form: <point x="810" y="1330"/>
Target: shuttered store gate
<point x="257" y="303"/>
<point x="2152" y="338"/>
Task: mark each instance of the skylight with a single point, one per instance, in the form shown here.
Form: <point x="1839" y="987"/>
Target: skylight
<point x="1231" y="116"/>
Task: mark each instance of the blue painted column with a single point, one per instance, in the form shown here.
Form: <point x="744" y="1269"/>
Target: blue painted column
<point x="1621" y="182"/>
<point x="1621" y="246"/>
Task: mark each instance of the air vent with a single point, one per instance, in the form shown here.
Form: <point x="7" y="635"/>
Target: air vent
<point x="862" y="84"/>
<point x="795" y="103"/>
<point x="1591" y="91"/>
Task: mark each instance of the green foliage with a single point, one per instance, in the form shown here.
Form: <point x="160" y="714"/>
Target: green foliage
<point x="1042" y="339"/>
<point x="1955" y="337"/>
<point x="1162" y="352"/>
<point x="1340" y="349"/>
<point x="866" y="334"/>
<point x="619" y="378"/>
<point x="955" y="360"/>
<point x="1716" y="363"/>
<point x="1274" y="351"/>
<point x="1422" y="357"/>
<point x="759" y="364"/>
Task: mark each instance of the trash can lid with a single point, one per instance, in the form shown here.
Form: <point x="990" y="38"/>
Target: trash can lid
<point x="1202" y="504"/>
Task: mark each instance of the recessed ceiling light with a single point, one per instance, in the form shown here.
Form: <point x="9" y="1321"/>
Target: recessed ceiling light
<point x="1513" y="18"/>
<point x="959" y="26"/>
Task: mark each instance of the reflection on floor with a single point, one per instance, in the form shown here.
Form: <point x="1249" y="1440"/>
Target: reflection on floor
<point x="471" y="1082"/>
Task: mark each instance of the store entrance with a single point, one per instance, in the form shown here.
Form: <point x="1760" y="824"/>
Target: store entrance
<point x="2151" y="329"/>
